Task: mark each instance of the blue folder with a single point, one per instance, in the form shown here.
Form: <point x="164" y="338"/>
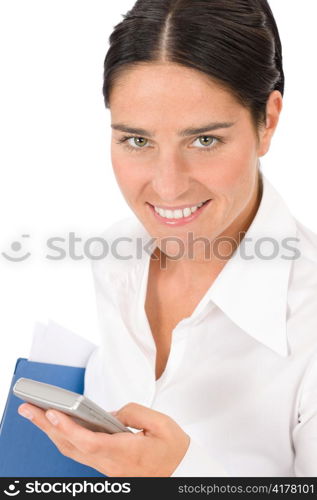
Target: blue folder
<point x="25" y="450"/>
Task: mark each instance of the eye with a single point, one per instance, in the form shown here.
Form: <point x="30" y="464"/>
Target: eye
<point x="139" y="142"/>
<point x="207" y="142"/>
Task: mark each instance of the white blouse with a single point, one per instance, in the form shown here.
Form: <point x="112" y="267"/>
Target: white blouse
<point x="241" y="377"/>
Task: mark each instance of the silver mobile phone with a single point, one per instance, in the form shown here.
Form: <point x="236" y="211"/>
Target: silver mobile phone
<point x="79" y="407"/>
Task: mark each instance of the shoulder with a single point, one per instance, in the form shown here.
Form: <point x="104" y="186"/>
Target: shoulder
<point x="305" y="264"/>
<point x="302" y="291"/>
<point x="307" y="240"/>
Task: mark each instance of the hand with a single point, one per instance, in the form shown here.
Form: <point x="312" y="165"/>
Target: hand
<point x="154" y="451"/>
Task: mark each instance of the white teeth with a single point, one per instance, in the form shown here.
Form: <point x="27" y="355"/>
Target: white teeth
<point x="177" y="214"/>
<point x="168" y="214"/>
<point x="187" y="212"/>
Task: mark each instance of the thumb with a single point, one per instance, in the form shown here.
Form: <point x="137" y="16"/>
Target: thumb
<point x="141" y="417"/>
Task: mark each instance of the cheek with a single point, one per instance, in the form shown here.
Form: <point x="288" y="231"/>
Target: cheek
<point x="131" y="177"/>
<point x="232" y="169"/>
<point x="120" y="167"/>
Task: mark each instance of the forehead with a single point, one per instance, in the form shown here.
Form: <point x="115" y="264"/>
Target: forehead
<point x="163" y="89"/>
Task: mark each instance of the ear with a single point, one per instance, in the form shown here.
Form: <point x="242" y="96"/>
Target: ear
<point x="274" y="107"/>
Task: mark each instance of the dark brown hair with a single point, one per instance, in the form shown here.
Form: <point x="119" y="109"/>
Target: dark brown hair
<point x="235" y="42"/>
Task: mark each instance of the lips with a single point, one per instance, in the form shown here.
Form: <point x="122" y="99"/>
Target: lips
<point x="179" y="221"/>
<point x="181" y="207"/>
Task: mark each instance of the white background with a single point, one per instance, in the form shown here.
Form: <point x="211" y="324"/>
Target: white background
<point x="56" y="173"/>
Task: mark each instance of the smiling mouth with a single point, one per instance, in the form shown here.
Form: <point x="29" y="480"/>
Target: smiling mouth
<point x="179" y="213"/>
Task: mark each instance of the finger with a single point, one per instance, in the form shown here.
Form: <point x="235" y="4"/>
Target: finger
<point x="85" y="440"/>
<point x="141" y="417"/>
<point x="58" y="424"/>
<point x="37" y="416"/>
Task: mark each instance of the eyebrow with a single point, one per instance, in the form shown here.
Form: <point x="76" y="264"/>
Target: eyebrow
<point x="183" y="133"/>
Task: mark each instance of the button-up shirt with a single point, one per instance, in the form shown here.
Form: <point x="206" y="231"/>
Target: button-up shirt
<point x="241" y="377"/>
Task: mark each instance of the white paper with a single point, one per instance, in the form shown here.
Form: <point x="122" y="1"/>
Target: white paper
<point x="52" y="343"/>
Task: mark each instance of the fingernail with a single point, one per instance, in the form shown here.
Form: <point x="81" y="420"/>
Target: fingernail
<point x="26" y="413"/>
<point x="52" y="417"/>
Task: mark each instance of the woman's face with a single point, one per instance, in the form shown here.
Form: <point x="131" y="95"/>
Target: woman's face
<point x="179" y="139"/>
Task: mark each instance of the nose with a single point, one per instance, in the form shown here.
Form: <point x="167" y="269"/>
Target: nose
<point x="171" y="178"/>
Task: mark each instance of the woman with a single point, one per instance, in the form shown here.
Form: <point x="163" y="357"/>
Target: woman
<point x="209" y="339"/>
